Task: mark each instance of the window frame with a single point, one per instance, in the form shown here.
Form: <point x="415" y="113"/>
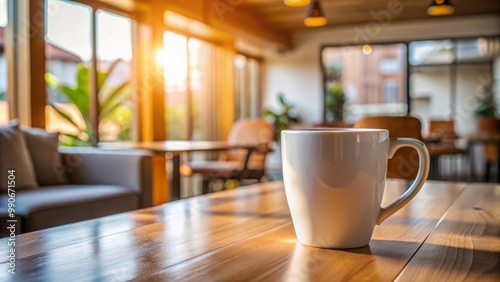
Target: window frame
<point x="453" y="66"/>
<point x="95" y="6"/>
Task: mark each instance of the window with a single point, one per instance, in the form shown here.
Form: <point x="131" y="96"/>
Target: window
<point x="446" y="75"/>
<point x="70" y="70"/>
<point x="195" y="87"/>
<point x="68" y="54"/>
<point x="248" y="87"/>
<point x="372" y="78"/>
<point x="477" y="49"/>
<point x="114" y="57"/>
<point x="178" y="109"/>
<point x="431" y="52"/>
<point x="390" y="91"/>
<point x="4" y="107"/>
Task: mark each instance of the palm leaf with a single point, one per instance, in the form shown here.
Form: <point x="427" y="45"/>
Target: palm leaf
<point x="115" y="94"/>
<point x="67" y="139"/>
<point x="82" y="78"/>
<point x="77" y="97"/>
<point x="64" y="115"/>
<point x="110" y="107"/>
<point x="102" y="80"/>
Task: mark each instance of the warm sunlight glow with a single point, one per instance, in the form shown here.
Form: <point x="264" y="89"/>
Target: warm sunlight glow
<point x="240" y="61"/>
<point x="161" y="57"/>
<point x="175" y="63"/>
<point x="4" y="112"/>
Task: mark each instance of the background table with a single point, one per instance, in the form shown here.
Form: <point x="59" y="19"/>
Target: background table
<point x="176" y="148"/>
<point x="484" y="139"/>
<point x="448" y="232"/>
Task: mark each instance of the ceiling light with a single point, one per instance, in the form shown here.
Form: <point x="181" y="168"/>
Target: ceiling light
<point x="315" y="16"/>
<point x="366" y="49"/>
<point x="297" y="3"/>
<point x="440" y="8"/>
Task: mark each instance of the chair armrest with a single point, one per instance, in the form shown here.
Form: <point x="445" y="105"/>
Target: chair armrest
<point x="260" y="149"/>
<point x="128" y="168"/>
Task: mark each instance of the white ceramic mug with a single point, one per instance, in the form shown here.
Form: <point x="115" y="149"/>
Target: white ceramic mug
<point x="334" y="183"/>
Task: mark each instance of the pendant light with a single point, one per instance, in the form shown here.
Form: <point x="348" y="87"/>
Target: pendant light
<point x="440" y="8"/>
<point x="315" y="16"/>
<point x="297" y="3"/>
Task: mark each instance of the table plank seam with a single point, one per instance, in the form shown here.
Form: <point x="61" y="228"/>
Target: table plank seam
<point x="430" y="232"/>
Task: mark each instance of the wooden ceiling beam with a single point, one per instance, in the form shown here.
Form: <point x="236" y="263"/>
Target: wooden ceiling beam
<point x="229" y="17"/>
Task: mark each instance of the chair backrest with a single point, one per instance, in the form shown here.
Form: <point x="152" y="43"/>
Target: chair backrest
<point x="251" y="132"/>
<point x="404" y="164"/>
<point x="489" y="126"/>
<point x="444" y="129"/>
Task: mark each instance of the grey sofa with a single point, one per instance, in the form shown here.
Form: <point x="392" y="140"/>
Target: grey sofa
<point x="99" y="183"/>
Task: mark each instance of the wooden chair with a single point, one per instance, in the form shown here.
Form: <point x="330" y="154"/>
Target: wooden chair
<point x="404" y="164"/>
<point x="237" y="164"/>
<point x="442" y="129"/>
<point x="489" y="126"/>
<point x="444" y="132"/>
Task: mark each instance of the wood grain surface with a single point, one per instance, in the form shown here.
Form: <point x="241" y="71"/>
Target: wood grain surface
<point x="450" y="231"/>
<point x="465" y="244"/>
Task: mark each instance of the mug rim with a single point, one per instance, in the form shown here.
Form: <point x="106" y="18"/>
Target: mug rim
<point x="335" y="130"/>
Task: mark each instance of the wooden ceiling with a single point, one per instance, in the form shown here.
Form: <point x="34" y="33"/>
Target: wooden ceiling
<point x="345" y="12"/>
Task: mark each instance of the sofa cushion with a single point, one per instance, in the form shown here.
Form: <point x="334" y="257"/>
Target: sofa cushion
<point x="14" y="155"/>
<point x="56" y="205"/>
<point x="43" y="148"/>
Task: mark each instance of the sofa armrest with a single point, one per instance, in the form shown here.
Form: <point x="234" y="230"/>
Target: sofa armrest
<point x="128" y="168"/>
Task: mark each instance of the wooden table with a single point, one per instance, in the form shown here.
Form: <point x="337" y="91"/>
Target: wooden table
<point x="176" y="148"/>
<point x="449" y="232"/>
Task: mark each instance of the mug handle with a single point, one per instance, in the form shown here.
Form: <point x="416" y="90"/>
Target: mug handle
<point x="423" y="172"/>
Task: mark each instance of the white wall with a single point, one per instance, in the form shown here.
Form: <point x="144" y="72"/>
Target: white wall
<point x="434" y="84"/>
<point x="297" y="73"/>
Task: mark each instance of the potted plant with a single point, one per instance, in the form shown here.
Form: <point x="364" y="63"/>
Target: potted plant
<point x="487" y="109"/>
<point x="283" y="118"/>
<point x="487" y="106"/>
<point x="335" y="100"/>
